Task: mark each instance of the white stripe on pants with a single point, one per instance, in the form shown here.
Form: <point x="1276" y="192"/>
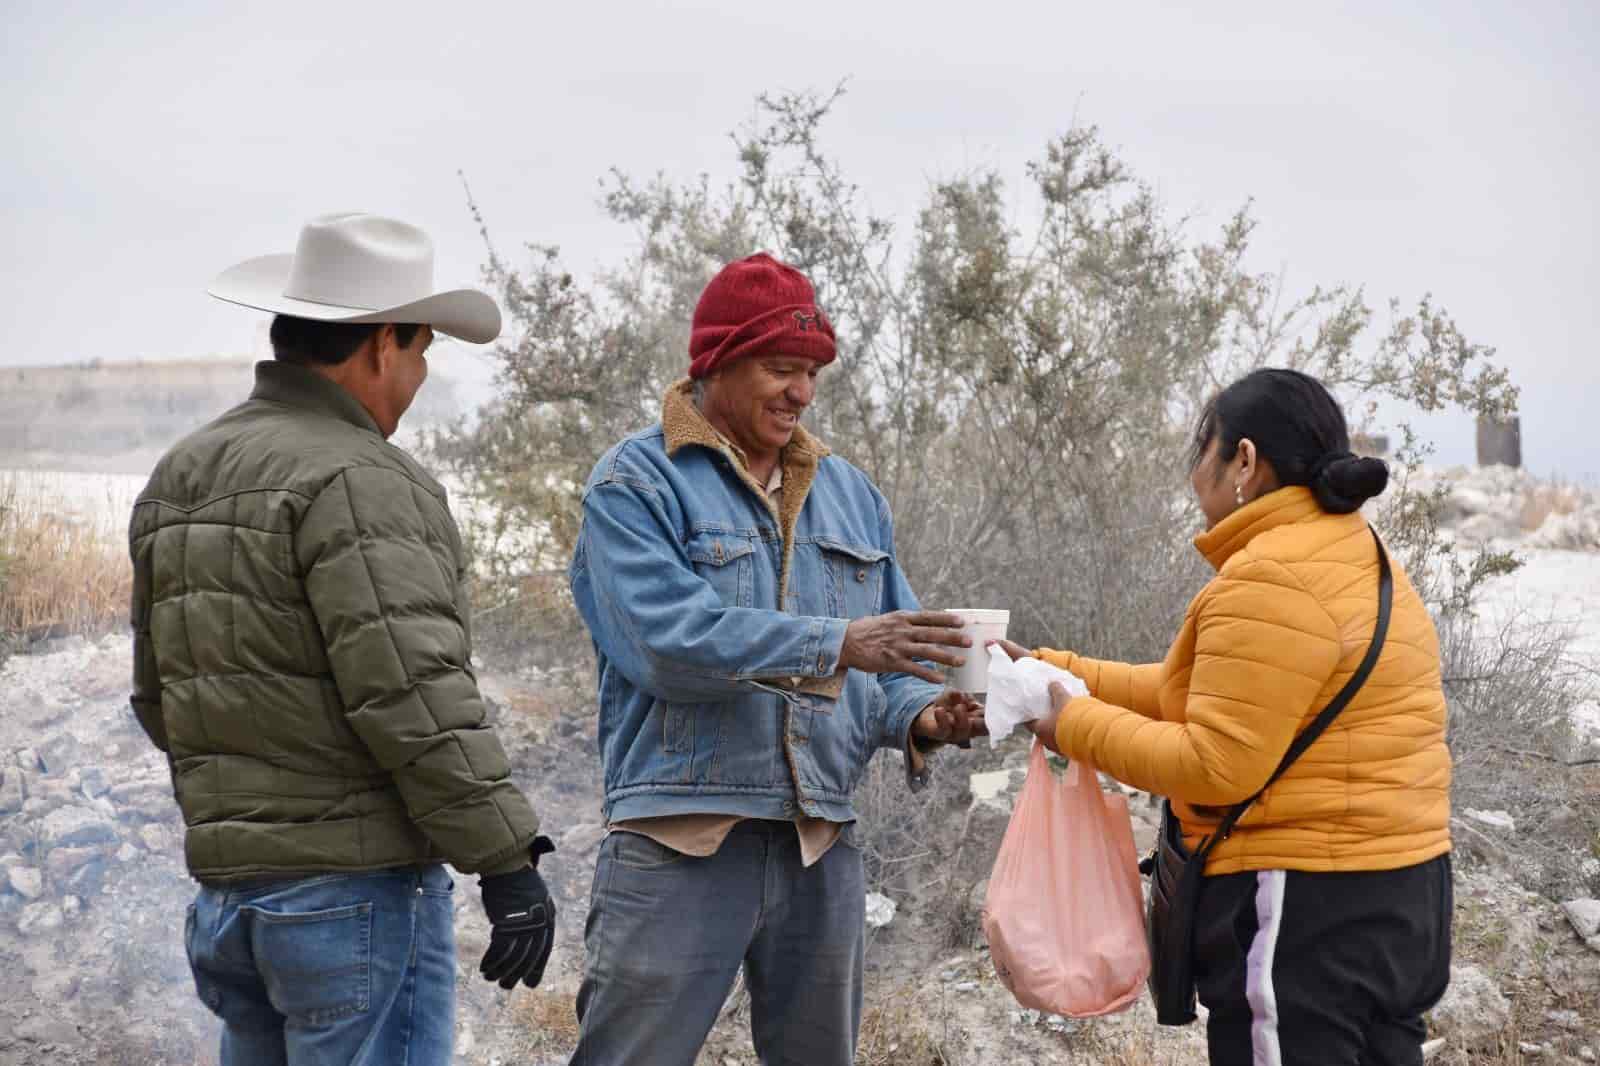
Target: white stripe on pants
<point x="1258" y="975"/>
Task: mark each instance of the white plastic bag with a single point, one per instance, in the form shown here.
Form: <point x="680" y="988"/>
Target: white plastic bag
<point x="1020" y="691"/>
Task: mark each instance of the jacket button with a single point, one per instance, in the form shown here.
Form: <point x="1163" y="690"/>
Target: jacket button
<point x="861" y="576"/>
<point x="787" y="805"/>
<point x="822" y="663"/>
<point x="797" y="681"/>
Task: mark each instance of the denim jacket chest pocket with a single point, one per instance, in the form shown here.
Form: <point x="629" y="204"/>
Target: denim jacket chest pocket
<point x="727" y="562"/>
<point x="853" y="575"/>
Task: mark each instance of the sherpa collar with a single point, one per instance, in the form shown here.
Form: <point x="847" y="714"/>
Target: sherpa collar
<point x="684" y="425"/>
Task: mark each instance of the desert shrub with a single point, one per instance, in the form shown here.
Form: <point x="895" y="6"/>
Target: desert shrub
<point x="1513" y="691"/>
<point x="1022" y="396"/>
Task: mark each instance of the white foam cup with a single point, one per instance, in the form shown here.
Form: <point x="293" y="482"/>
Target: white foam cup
<point x="982" y="626"/>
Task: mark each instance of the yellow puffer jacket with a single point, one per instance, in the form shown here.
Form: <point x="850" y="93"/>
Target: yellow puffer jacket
<point x="1264" y="647"/>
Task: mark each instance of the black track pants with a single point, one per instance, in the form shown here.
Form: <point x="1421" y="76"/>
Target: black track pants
<point x="1301" y="969"/>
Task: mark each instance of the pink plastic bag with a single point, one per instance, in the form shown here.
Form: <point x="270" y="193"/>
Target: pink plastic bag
<point x="1064" y="913"/>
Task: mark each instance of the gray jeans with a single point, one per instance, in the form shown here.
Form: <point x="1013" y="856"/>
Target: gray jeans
<point x="667" y="932"/>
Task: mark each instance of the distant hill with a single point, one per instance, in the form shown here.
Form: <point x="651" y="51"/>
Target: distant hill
<point x="119" y="417"/>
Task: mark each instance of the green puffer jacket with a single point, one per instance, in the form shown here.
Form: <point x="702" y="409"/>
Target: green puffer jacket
<point x="301" y="648"/>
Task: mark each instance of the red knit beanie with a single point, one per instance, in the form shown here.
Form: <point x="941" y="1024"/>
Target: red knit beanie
<point x="756" y="306"/>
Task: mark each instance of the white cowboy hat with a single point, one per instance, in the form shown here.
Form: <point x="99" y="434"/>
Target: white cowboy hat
<point x="355" y="267"/>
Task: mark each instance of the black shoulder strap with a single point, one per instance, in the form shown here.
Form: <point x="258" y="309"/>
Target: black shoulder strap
<point x="1311" y="732"/>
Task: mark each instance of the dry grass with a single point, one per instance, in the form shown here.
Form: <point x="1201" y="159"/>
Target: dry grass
<point x="1138" y="1048"/>
<point x="1541" y="501"/>
<point x="549" y="1019"/>
<point x="898" y="1031"/>
<point x="59" y="574"/>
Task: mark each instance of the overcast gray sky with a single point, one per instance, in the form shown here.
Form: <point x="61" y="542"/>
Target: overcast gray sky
<point x="1426" y="147"/>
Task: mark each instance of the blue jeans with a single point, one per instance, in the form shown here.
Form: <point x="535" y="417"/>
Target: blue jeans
<point x="342" y="969"/>
<point x="667" y="933"/>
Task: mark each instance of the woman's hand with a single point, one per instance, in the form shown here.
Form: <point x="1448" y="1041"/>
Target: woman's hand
<point x="1013" y="650"/>
<point x="1045" y="728"/>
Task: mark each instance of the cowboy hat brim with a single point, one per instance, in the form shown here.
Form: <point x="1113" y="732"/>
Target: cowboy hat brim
<point x="465" y="313"/>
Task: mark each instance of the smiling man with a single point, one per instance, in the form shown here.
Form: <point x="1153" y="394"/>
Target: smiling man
<point x="757" y="643"/>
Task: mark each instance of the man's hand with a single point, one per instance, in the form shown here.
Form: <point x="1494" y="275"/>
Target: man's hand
<point x="522" y="923"/>
<point x="1045" y="728"/>
<point x="953" y="718"/>
<point x="890" y="643"/>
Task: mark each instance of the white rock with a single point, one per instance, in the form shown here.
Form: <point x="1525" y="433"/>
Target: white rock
<point x="1586" y="1054"/>
<point x="990" y="787"/>
<point x="1432" y="1048"/>
<point x="1487" y="528"/>
<point x="41" y="917"/>
<point x="880" y="910"/>
<point x="1570" y="1020"/>
<point x="1472" y="1008"/>
<point x="69" y="826"/>
<point x="63" y="863"/>
<point x="1472" y="499"/>
<point x="1579" y="531"/>
<point x="27" y="881"/>
<point x="93" y="782"/>
<point x="1532" y="1050"/>
<point x="1497" y="819"/>
<point x="12" y="794"/>
<point x="1584" y="914"/>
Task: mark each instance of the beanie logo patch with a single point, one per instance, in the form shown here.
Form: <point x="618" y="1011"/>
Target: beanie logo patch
<point x="808" y="320"/>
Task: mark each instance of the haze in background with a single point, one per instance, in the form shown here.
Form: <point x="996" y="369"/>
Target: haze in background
<point x="1431" y="147"/>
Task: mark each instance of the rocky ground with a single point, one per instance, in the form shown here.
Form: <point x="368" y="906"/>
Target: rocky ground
<point x="92" y="895"/>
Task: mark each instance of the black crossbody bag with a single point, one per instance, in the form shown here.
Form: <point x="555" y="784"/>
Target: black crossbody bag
<point x="1175" y="873"/>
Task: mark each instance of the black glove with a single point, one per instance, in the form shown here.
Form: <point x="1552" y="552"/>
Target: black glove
<point x="522" y="920"/>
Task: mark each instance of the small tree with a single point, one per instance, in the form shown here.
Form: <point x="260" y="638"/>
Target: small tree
<point x="1023" y="398"/>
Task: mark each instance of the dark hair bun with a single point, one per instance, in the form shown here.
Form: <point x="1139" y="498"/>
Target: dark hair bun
<point x="1345" y="482"/>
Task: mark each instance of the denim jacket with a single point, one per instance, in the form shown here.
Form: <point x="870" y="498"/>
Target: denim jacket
<point x="717" y="623"/>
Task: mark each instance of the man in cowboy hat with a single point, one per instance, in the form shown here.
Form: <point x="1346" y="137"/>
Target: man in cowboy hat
<point x="301" y="654"/>
<point x="757" y="643"/>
